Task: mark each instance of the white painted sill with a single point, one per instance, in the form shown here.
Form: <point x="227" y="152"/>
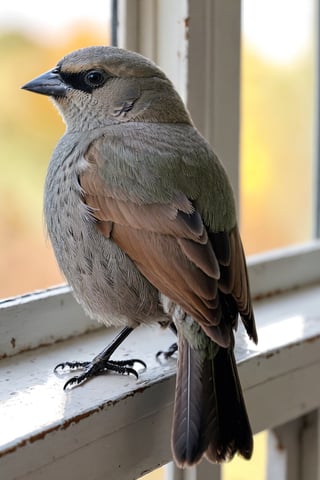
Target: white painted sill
<point x="115" y="427"/>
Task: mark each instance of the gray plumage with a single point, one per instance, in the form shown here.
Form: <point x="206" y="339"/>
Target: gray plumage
<point x="142" y="220"/>
<point x="104" y="280"/>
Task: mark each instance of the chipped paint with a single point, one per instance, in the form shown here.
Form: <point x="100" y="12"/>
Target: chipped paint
<point x="291" y="322"/>
<point x="54" y="341"/>
<point x="186" y="22"/>
<point x="77" y="418"/>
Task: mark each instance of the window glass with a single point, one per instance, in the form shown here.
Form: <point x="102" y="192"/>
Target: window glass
<point x="277" y="123"/>
<point x="32" y="39"/>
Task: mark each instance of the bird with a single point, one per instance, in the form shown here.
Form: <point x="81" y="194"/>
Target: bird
<point x="142" y="219"/>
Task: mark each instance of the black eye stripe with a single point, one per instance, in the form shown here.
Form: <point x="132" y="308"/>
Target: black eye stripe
<point x="85" y="81"/>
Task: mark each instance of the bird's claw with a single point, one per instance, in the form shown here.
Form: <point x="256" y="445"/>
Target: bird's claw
<point x="99" y="367"/>
<point x="71" y="366"/>
<point x="74" y="380"/>
<point x="167" y="353"/>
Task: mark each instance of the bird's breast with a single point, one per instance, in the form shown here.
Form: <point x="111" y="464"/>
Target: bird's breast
<point x="104" y="280"/>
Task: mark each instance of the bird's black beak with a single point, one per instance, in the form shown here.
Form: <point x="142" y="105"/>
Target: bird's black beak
<point x="49" y="83"/>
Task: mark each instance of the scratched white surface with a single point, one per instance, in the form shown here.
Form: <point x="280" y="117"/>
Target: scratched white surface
<point x="32" y="395"/>
<point x="43" y="428"/>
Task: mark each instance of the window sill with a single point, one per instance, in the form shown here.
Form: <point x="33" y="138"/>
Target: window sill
<point x="117" y="427"/>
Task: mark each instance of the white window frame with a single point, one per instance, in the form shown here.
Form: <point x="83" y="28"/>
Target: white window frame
<point x="172" y="33"/>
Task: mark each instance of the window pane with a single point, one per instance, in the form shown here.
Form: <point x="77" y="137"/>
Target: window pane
<point x="32" y="40"/>
<point x="277" y="122"/>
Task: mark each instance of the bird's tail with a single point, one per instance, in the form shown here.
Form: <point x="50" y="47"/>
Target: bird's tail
<point x="210" y="416"/>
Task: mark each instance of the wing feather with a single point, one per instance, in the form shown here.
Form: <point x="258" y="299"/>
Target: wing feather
<point x="173" y="248"/>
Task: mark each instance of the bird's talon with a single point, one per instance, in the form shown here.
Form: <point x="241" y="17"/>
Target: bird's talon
<point x="71" y="382"/>
<point x="136" y="360"/>
<point x="99" y="367"/>
<point x="71" y="366"/>
<point x="133" y="371"/>
<point x="167" y="353"/>
<point x="57" y="367"/>
<point x="163" y="354"/>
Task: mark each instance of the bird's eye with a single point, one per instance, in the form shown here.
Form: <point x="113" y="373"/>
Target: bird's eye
<point x="95" y="78"/>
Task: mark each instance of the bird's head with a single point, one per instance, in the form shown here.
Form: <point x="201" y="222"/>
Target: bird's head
<point x="98" y="86"/>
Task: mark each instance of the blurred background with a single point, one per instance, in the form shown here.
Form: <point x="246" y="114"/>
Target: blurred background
<point x="278" y="71"/>
<point x="32" y="39"/>
<point x="277" y="122"/>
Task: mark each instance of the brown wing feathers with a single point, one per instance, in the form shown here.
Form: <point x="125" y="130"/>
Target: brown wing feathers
<point x="170" y="245"/>
<point x="233" y="281"/>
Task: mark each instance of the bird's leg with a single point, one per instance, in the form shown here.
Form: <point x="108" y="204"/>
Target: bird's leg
<point x="172" y="349"/>
<point x="101" y="363"/>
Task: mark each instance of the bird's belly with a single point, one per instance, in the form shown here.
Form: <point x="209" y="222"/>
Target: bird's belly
<point x="104" y="280"/>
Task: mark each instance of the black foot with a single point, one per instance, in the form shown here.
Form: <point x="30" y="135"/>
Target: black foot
<point x="168" y="353"/>
<point x="98" y="366"/>
<point x="102" y="364"/>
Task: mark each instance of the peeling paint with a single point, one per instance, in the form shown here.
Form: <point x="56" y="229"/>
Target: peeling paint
<point x="54" y="341"/>
<point x="74" y="420"/>
<point x="186" y="22"/>
<point x="313" y="339"/>
<point x="271" y="354"/>
<point x="41" y="435"/>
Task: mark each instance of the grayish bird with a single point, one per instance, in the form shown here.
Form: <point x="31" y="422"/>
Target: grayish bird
<point x="142" y="219"/>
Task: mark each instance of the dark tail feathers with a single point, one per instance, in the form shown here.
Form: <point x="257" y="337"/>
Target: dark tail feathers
<point x="210" y="416"/>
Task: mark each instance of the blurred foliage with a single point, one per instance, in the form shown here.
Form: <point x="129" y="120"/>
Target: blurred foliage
<point x="277" y="142"/>
<point x="29" y="130"/>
